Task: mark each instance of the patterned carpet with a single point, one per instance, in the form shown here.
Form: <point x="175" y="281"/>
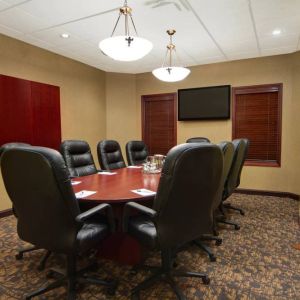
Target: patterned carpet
<point x="256" y="262"/>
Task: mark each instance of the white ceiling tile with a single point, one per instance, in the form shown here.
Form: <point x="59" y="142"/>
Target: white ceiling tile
<point x="208" y="31"/>
<point x="229" y="22"/>
<point x="21" y="21"/>
<point x="53" y="36"/>
<point x="277" y="51"/>
<point x="280" y="41"/>
<point x="3" y="5"/>
<point x="58" y="11"/>
<point x="15" y="2"/>
<point x="10" y="32"/>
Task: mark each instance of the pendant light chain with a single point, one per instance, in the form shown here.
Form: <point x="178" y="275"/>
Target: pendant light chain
<point x="120" y="14"/>
<point x="170" y="72"/>
<point x="127" y="46"/>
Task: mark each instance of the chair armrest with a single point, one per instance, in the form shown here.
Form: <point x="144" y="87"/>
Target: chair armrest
<point x="91" y="212"/>
<point x="141" y="208"/>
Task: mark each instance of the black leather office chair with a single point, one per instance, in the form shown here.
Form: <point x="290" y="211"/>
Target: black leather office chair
<point x="136" y="152"/>
<point x="228" y="151"/>
<point x="39" y="186"/>
<point x="182" y="209"/>
<point x="78" y="157"/>
<point x="21" y="252"/>
<point x="110" y="155"/>
<point x="241" y="147"/>
<point x="198" y="140"/>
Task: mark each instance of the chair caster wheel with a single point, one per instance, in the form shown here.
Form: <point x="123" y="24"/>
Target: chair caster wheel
<point x="206" y="280"/>
<point x="132" y="272"/>
<point x="237" y="227"/>
<point x="212" y="258"/>
<point x="111" y="291"/>
<point x="175" y="264"/>
<point x="40" y="267"/>
<point x="219" y="242"/>
<point x="50" y="274"/>
<point x="135" y="296"/>
<point x="19" y="256"/>
<point x="242" y="213"/>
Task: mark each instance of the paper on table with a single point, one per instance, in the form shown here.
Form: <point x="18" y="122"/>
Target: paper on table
<point x="143" y="192"/>
<point x="84" y="193"/>
<point x="75" y="182"/>
<point x="134" y="167"/>
<point x="107" y="173"/>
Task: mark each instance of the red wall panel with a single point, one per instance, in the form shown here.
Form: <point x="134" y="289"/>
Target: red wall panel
<point x="29" y="112"/>
<point x="46" y="115"/>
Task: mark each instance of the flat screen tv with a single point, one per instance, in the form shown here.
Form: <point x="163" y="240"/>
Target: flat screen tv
<point x="204" y="103"/>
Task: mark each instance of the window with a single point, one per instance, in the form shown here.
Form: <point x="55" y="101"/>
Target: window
<point x="257" y="116"/>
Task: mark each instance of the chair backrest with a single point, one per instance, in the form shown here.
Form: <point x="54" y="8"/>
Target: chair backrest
<point x="198" y="140"/>
<point x="78" y="157"/>
<point x="240" y="153"/>
<point x="188" y="187"/>
<point x="227" y="149"/>
<point x="110" y="155"/>
<point x="136" y="152"/>
<point x="7" y="146"/>
<point x="37" y="182"/>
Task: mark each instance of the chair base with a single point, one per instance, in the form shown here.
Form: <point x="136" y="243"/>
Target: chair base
<point x="42" y="264"/>
<point x="229" y="206"/>
<point x="71" y="278"/>
<point x="206" y="248"/>
<point x="166" y="273"/>
<point x="168" y="277"/>
<point x="235" y="225"/>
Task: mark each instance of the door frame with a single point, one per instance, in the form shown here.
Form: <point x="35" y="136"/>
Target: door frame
<point x="160" y="97"/>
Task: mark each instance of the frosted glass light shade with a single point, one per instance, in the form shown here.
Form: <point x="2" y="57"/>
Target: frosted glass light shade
<point x="117" y="47"/>
<point x="171" y="74"/>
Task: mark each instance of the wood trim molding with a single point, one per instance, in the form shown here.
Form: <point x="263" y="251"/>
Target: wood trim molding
<point x="268" y="193"/>
<point x="6" y="213"/>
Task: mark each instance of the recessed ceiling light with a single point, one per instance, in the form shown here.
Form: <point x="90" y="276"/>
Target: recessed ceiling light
<point x="65" y="35"/>
<point x="276" y="32"/>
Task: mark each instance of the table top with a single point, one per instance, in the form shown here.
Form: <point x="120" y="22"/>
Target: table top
<point x="118" y="187"/>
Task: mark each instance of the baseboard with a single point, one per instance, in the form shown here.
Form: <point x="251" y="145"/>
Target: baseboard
<point x="268" y="193"/>
<point x="6" y="213"/>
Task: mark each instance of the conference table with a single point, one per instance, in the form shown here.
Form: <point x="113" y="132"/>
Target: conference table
<point x="118" y="187"/>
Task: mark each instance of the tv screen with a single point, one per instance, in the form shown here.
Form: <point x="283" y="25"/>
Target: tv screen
<point x="204" y="103"/>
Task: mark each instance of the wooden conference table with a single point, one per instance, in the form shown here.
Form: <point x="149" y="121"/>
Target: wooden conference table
<point x="116" y="189"/>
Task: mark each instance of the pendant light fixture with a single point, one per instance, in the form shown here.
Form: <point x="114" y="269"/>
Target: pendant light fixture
<point x="168" y="72"/>
<point x="125" y="47"/>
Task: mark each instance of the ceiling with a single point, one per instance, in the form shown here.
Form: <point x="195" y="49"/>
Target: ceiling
<point x="208" y="31"/>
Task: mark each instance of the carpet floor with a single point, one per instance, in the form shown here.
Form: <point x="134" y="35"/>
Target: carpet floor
<point x="256" y="262"/>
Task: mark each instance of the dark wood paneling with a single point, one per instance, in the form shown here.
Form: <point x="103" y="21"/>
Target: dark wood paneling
<point x="159" y="122"/>
<point x="268" y="193"/>
<point x="30" y="112"/>
<point x="6" y="213"/>
<point x="46" y="115"/>
<point x="257" y="116"/>
<point x="15" y="110"/>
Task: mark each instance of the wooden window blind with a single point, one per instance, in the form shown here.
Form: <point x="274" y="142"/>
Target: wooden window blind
<point x="257" y="116"/>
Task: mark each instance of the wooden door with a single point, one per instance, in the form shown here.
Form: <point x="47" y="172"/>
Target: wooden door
<point x="159" y="122"/>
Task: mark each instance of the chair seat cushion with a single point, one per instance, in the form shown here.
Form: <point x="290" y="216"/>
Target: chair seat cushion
<point x="91" y="234"/>
<point x="143" y="229"/>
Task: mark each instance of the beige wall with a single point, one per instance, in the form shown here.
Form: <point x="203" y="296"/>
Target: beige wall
<point x="121" y="108"/>
<point x="82" y="91"/>
<point x="294" y="133"/>
<point x="96" y="105"/>
<point x="274" y="69"/>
